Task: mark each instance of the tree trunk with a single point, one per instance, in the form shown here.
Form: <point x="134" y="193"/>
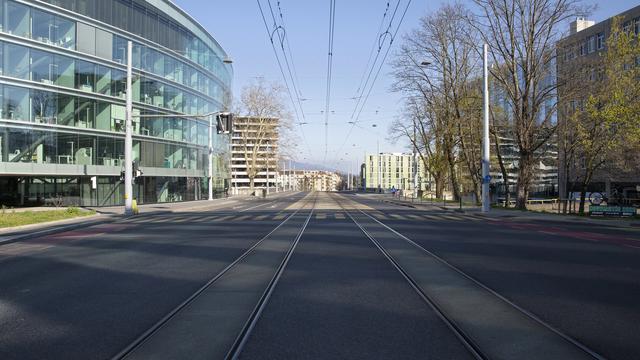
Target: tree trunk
<point x="505" y="173"/>
<point x="524" y="179"/>
<point x="452" y="173"/>
<point x="439" y="186"/>
<point x="583" y="195"/>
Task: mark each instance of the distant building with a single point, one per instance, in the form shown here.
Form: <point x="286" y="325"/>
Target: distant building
<point x="392" y="170"/>
<point x="310" y="180"/>
<point x="584" y="47"/>
<point x="254" y="154"/>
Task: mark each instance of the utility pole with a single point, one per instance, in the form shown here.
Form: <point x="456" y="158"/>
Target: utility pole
<point x="486" y="178"/>
<point x="268" y="154"/>
<point x="379" y="166"/>
<point x="128" y="139"/>
<point x="416" y="181"/>
<point x="211" y="157"/>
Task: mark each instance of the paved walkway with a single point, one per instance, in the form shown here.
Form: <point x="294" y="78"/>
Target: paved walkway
<point x="112" y="213"/>
<point x="503" y="213"/>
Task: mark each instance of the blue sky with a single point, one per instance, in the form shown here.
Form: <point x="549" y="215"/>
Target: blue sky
<point x="238" y="27"/>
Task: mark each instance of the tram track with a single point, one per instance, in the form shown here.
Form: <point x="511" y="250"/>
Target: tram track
<point x="477" y="348"/>
<point x="129" y="350"/>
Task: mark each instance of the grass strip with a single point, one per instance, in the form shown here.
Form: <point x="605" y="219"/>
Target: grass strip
<point x="8" y="218"/>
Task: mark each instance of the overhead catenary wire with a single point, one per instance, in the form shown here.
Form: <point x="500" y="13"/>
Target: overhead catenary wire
<point x="270" y="33"/>
<point x="360" y="105"/>
<point x="332" y="14"/>
<point x="282" y="36"/>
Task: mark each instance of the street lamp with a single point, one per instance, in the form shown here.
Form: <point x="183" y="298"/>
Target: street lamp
<point x="128" y="143"/>
<point x="486" y="178"/>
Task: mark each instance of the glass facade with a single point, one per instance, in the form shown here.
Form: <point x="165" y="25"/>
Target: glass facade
<point x="62" y="103"/>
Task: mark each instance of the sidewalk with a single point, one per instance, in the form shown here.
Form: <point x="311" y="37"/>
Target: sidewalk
<point x="497" y="213"/>
<point x="115" y="213"/>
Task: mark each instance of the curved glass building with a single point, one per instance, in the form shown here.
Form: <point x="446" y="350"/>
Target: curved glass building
<point x="62" y="102"/>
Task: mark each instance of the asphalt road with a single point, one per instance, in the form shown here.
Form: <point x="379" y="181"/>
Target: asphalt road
<point x="339" y="298"/>
<point x="582" y="279"/>
<point x="88" y="293"/>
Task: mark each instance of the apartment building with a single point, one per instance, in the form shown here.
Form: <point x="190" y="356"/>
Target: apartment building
<point x="583" y="49"/>
<point x="393" y="170"/>
<point x="254" y="154"/>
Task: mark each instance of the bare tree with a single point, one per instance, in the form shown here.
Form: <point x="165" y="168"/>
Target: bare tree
<point x="435" y="67"/>
<point x="522" y="35"/>
<point x="264" y="131"/>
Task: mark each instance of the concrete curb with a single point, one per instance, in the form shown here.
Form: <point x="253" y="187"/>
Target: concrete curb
<point x="54" y="227"/>
<point x="33" y="230"/>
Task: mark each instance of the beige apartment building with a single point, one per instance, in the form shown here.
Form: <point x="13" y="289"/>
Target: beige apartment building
<point x="393" y="170"/>
<point x="254" y="154"/>
<point x="309" y="180"/>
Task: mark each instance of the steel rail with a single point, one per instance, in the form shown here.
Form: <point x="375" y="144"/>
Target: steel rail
<point x="536" y="319"/>
<point x="244" y="335"/>
<point x="158" y="325"/>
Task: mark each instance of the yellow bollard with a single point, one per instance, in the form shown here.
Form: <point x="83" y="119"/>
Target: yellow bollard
<point x="134" y="207"/>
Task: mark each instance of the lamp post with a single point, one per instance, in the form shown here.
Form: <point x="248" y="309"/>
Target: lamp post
<point x="128" y="143"/>
<point x="268" y="152"/>
<point x="128" y="137"/>
<point x="486" y="178"/>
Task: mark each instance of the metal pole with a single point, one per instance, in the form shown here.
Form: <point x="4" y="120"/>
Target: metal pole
<point x="379" y="166"/>
<point x="128" y="140"/>
<point x="485" y="138"/>
<point x="268" y="154"/>
<point x="210" y="179"/>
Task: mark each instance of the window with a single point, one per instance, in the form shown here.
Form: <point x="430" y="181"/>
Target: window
<point x="15" y="103"/>
<point x="103" y="80"/>
<point x="44" y="107"/>
<point x="43" y="26"/>
<point x="636" y="25"/>
<point x="17" y="19"/>
<point x="592" y="44"/>
<point x="583" y="49"/>
<point x="85" y="113"/>
<point x="64" y="71"/>
<point x="42" y="67"/>
<point x="65" y="35"/>
<point x="118" y="83"/>
<point x="85" y="76"/>
<point x="600" y="41"/>
<point x="16" y="61"/>
<point x="119" y="49"/>
<point x="66" y="109"/>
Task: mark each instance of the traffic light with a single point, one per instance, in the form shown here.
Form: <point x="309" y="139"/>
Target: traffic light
<point x="137" y="173"/>
<point x="224" y="123"/>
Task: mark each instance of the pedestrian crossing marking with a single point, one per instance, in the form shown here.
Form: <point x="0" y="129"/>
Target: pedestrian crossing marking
<point x="414" y="217"/>
<point x="398" y="217"/>
<point x="262" y="217"/>
<point x="241" y="218"/>
<point x="224" y="218"/>
<point x="279" y="217"/>
<point x="450" y="217"/>
<point x="321" y="216"/>
<point x="340" y="216"/>
<point x="379" y="216"/>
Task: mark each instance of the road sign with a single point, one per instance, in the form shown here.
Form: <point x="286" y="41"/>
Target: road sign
<point x="486" y="179"/>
